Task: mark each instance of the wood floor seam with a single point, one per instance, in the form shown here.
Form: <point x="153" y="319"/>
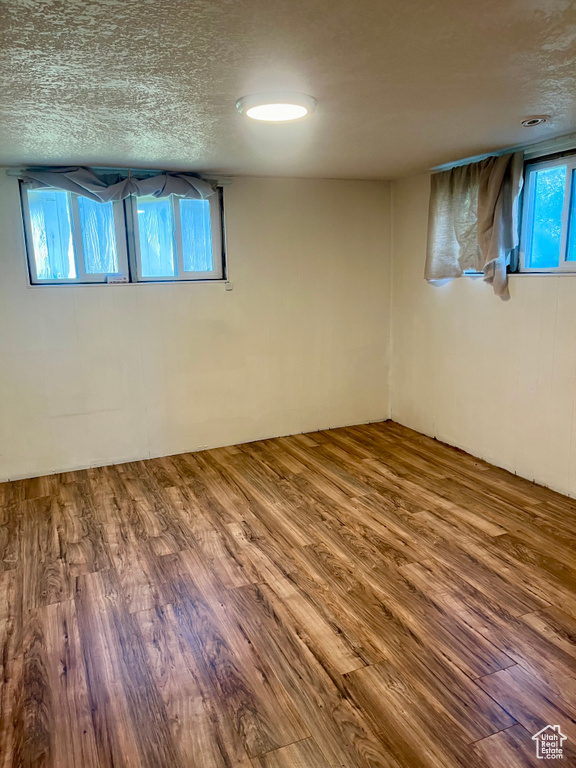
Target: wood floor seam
<point x="363" y="597"/>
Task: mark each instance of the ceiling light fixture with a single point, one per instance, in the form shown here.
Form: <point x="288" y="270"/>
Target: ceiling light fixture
<point x="530" y="122"/>
<point x="276" y="107"/>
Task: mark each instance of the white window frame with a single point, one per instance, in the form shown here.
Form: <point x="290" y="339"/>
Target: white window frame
<point x="528" y="214"/>
<point x="81" y="275"/>
<point x="217" y="273"/>
<point x="127" y="244"/>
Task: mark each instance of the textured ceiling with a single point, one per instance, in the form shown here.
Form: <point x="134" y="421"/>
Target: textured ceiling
<point x="402" y="85"/>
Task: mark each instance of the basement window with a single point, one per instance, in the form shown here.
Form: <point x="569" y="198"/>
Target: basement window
<point x="72" y="239"/>
<point x="176" y="238"/>
<point x="548" y="238"/>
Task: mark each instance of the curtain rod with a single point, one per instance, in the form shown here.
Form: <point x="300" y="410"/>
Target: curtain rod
<point x="531" y="151"/>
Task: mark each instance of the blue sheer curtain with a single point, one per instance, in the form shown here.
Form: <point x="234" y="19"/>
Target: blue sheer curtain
<point x="51" y="225"/>
<point x="98" y="236"/>
<point x="156" y="236"/>
<point x="55" y="213"/>
<point x="196" y="235"/>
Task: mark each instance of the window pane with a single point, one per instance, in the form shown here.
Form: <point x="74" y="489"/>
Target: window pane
<point x="156" y="236"/>
<point x="51" y="224"/>
<point x="547" y="220"/>
<point x="196" y="235"/>
<point x="571" y="252"/>
<point x="98" y="236"/>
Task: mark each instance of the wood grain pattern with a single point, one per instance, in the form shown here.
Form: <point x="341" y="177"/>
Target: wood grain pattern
<point x="363" y="597"/>
<point x="302" y="754"/>
<point x="512" y="748"/>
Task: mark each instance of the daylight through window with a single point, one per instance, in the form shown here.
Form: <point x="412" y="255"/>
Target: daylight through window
<point x="72" y="239"/>
<point x="548" y="242"/>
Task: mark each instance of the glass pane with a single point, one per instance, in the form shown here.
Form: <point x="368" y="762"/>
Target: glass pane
<point x="571" y="252"/>
<point x="547" y="220"/>
<point x="51" y="224"/>
<point x="196" y="235"/>
<point x="98" y="236"/>
<point x="156" y="236"/>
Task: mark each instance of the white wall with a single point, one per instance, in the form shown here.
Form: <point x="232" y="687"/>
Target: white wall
<point x="495" y="378"/>
<point x="103" y="374"/>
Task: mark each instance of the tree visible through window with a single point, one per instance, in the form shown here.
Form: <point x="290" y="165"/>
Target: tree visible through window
<point x="549" y="190"/>
<point x="549" y="223"/>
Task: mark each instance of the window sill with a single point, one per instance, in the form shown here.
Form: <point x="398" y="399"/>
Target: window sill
<point x="528" y="274"/>
<point x="535" y="273"/>
<point x="221" y="281"/>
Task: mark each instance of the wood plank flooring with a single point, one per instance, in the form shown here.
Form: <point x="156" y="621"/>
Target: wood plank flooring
<point x="362" y="597"/>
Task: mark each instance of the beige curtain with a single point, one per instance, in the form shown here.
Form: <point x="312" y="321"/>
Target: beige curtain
<point x="473" y="221"/>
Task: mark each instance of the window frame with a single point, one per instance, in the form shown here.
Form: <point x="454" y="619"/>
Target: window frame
<point x="82" y="277"/>
<point x="127" y="244"/>
<point x="528" y="202"/>
<point x="216" y="225"/>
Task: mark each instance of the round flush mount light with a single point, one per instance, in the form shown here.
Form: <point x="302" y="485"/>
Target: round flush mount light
<point x="276" y="107"/>
<point x="533" y="120"/>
